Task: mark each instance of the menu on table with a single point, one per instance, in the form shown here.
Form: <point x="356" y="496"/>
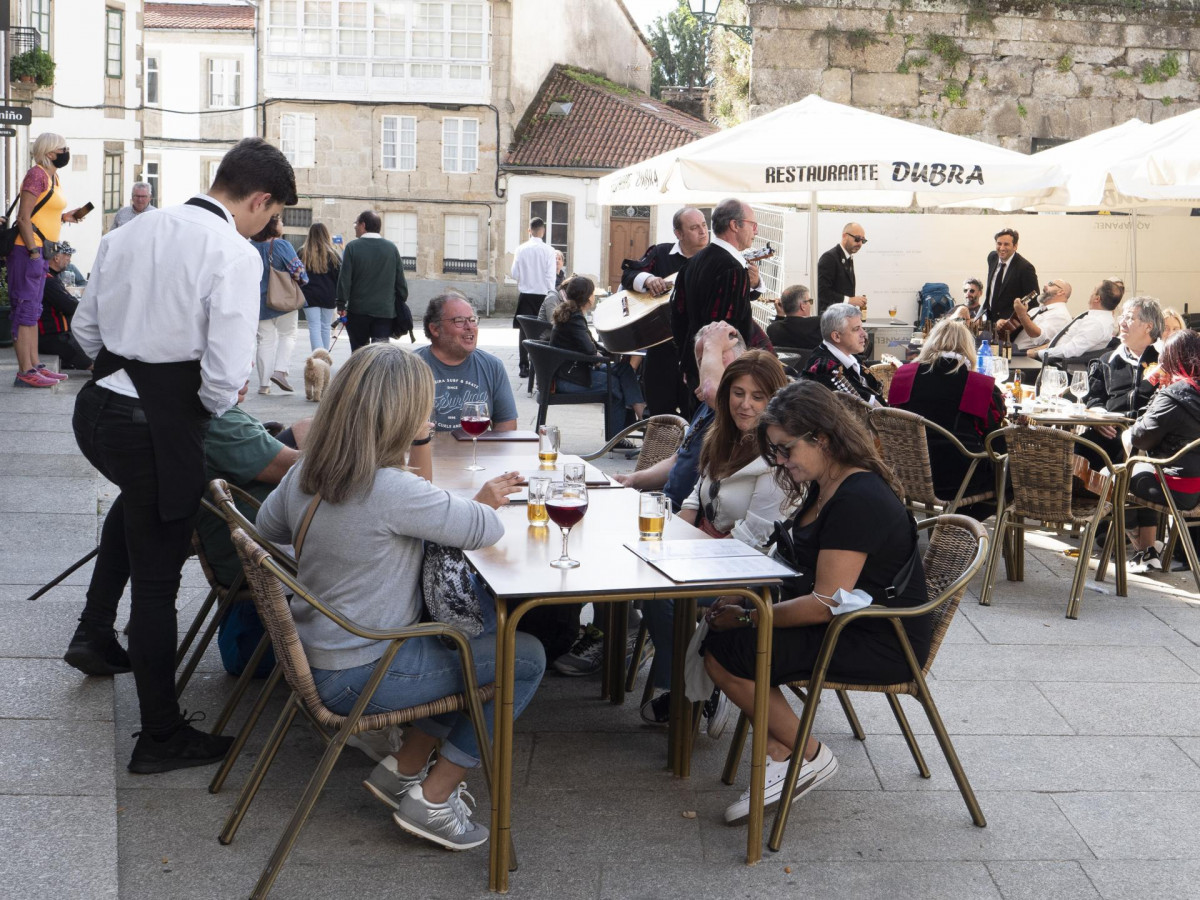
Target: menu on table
<point x="729" y="560"/>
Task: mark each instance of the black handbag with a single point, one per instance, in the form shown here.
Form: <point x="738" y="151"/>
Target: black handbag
<point x="402" y="317"/>
<point x="8" y="237"/>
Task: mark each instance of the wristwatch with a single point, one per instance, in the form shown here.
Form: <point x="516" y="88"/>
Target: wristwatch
<point x="35" y="252"/>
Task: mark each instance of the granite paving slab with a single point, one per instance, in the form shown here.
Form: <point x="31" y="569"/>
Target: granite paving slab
<point x="1135" y="709"/>
<point x="56" y="758"/>
<point x="1162" y="879"/>
<point x="1066" y="663"/>
<point x="58" y="847"/>
<point x="1134" y="825"/>
<point x="1039" y="880"/>
<point x="50" y="689"/>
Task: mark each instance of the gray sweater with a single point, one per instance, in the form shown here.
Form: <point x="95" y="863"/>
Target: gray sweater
<point x="363" y="557"/>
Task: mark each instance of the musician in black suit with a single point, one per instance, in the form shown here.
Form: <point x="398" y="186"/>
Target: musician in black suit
<point x="795" y="326"/>
<point x="835" y="270"/>
<point x="716" y="284"/>
<point x="1010" y="275"/>
<point x="835" y="363"/>
<point x="661" y="382"/>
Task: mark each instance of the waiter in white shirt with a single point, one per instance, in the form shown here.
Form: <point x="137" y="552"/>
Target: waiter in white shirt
<point x="170" y="315"/>
<point x="533" y="268"/>
<point x="1040" y="327"/>
<point x="1089" y="331"/>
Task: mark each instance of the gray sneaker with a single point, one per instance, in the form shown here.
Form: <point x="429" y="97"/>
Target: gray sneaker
<point x="379" y="743"/>
<point x="389" y="785"/>
<point x="446" y="824"/>
<point x="585" y="657"/>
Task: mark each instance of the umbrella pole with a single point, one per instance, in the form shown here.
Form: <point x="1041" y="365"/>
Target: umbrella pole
<point x="1133" y="263"/>
<point x="812" y="247"/>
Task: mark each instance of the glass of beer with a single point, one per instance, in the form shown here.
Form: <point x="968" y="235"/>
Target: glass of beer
<point x="536" y="509"/>
<point x="653" y="511"/>
<point x="548" y="440"/>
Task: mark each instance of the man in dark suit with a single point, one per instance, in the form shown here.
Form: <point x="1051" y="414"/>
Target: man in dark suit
<point x="795" y="326"/>
<point x="835" y="270"/>
<point x="715" y="285"/>
<point x="661" y="384"/>
<point x="1010" y="275"/>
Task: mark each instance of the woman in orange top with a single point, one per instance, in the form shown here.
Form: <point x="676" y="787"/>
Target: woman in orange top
<point x="39" y="221"/>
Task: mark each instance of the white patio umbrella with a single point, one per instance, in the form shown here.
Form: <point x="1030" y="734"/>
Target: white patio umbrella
<point x="1165" y="170"/>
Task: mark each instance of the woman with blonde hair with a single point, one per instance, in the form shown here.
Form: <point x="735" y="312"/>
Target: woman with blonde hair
<point x="323" y="263"/>
<point x="40" y="217"/>
<point x="363" y="554"/>
<point x="942" y="385"/>
<point x="1172" y="322"/>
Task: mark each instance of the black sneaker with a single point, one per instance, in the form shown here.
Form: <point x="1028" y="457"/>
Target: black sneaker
<point x="657" y="710"/>
<point x="97" y="652"/>
<point x="183" y="749"/>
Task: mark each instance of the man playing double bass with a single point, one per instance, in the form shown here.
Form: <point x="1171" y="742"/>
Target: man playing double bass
<point x="661" y="383"/>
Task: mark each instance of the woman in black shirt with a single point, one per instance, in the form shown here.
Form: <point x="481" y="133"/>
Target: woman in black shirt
<point x="851" y="533"/>
<point x="571" y="333"/>
<point x="320" y="294"/>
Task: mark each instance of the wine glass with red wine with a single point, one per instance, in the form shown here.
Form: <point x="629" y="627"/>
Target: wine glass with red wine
<point x="475" y="420"/>
<point x="566" y="504"/>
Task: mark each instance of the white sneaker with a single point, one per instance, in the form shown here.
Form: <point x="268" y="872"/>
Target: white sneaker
<point x="820" y="768"/>
<point x="390" y="785"/>
<point x="719" y="710"/>
<point x="379" y="743"/>
<point x="446" y="824"/>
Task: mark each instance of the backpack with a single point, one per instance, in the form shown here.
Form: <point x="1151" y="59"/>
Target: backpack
<point x="933" y="301"/>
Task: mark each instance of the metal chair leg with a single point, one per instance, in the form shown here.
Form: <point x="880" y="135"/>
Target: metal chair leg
<point x="242" y="685"/>
<point x="803" y="733"/>
<point x="202" y="646"/>
<point x="960" y="776"/>
<point x="989" y="573"/>
<point x="736" y="746"/>
<point x="239" y="742"/>
<point x="197" y="621"/>
<point x="851" y="715"/>
<point x="250" y="788"/>
<point x="913" y="747"/>
<point x="1081" y="567"/>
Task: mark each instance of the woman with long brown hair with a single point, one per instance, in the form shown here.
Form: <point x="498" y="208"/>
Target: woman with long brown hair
<point x="323" y="263"/>
<point x="857" y="544"/>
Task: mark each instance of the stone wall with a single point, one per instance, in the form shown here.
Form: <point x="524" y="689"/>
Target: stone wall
<point x="1004" y="71"/>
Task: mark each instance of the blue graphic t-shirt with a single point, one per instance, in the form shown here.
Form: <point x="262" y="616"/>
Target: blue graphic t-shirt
<point x="480" y="376"/>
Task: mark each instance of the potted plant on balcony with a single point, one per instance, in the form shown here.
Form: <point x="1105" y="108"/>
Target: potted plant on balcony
<point x="32" y="66"/>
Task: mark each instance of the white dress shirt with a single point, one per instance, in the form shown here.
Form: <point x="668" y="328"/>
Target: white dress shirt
<point x="640" y="279"/>
<point x="1051" y="318"/>
<point x="173" y="285"/>
<point x="1092" y="332"/>
<point x="533" y="267"/>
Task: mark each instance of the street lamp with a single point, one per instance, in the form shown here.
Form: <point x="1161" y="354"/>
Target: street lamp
<point x="700" y="11"/>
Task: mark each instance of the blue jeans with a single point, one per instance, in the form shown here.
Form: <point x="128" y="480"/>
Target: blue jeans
<point x="425" y="669"/>
<point x="625" y="393"/>
<point x="659" y="616"/>
<point x="320" y="322"/>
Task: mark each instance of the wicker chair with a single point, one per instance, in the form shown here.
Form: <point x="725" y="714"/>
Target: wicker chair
<point x="883" y="372"/>
<point x="904" y="444"/>
<point x="1178" y="521"/>
<point x="1040" y="465"/>
<point x="857" y="407"/>
<point x="268" y="579"/>
<point x="661" y="437"/>
<point x="957" y="547"/>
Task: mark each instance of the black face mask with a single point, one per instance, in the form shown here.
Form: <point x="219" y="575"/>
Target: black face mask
<point x="61" y="159"/>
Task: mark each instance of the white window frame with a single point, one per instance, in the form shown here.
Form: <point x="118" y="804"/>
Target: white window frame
<point x="219" y="93"/>
<point x="551" y="222"/>
<point x="460" y="237"/>
<point x="153" y="76"/>
<point x="210" y="172"/>
<point x="152" y="175"/>
<point x="114" y="42"/>
<point x="398" y="135"/>
<point x="298" y="139"/>
<point x="39" y="20"/>
<point x="460" y="145"/>
<point x="401" y="229"/>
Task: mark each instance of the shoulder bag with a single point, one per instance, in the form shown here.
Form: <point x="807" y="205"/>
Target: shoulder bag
<point x="283" y="294"/>
<point x="8" y="237"/>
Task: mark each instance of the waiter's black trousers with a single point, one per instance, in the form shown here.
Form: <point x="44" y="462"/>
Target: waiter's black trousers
<point x="136" y="547"/>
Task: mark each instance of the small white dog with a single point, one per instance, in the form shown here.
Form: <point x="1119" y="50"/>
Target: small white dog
<point x="316" y="374"/>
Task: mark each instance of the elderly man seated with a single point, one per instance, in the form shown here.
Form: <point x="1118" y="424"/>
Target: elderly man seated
<point x="1088" y="332"/>
<point x="58" y="307"/>
<point x="462" y="372"/>
<point x="835" y="363"/>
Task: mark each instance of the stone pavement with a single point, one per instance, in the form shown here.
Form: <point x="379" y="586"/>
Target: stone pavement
<point x="1081" y="738"/>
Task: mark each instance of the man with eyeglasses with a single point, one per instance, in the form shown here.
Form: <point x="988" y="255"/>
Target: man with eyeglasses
<point x="835" y="270"/>
<point x="973" y="296"/>
<point x="716" y="285"/>
<point x="461" y="371"/>
<point x="1042" y="325"/>
<point x="795" y="326"/>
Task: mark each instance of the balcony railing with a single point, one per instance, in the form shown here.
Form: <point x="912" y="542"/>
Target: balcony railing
<point x="409" y="263"/>
<point x="461" y="266"/>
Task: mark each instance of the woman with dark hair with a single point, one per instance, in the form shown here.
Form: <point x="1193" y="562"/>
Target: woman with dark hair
<point x="942" y="385"/>
<point x="737" y="496"/>
<point x="571" y="333"/>
<point x="1170" y="422"/>
<point x="857" y="544"/>
<point x="322" y="262"/>
<point x="276" y="330"/>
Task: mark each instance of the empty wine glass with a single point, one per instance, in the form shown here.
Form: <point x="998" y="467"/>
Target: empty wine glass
<point x="999" y="369"/>
<point x="1079" y="388"/>
<point x="475" y="420"/>
<point x="566" y="504"/>
<point x="1054" y="382"/>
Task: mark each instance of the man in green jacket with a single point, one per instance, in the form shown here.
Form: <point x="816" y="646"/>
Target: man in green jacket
<point x="370" y="282"/>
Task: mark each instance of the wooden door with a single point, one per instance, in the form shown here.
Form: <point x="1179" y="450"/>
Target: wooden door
<point x="627" y="239"/>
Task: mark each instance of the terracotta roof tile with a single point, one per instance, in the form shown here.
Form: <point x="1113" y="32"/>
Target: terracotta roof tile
<point x="199" y="16"/>
<point x="608" y="126"/>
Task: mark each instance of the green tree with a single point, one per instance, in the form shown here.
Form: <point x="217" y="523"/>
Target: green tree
<point x="680" y="44"/>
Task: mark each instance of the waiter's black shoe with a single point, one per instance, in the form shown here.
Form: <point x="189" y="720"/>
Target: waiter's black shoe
<point x="183" y="749"/>
<point x="97" y="652"/>
<point x="523" y="372"/>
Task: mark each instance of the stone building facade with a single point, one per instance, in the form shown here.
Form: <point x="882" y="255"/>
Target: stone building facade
<point x="1018" y="73"/>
